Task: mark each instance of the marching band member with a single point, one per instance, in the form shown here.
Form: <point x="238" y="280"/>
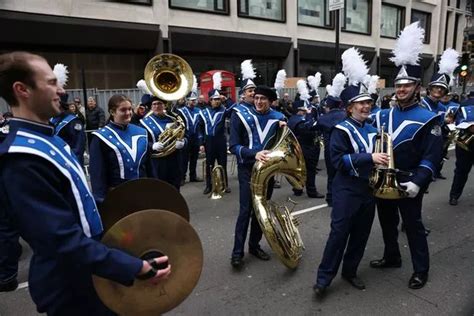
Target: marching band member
<point x="449" y="103"/>
<point x="326" y="124"/>
<point x="190" y="153"/>
<point x="417" y="147"/>
<point x="67" y="125"/>
<point x="353" y="210"/>
<point x="167" y="168"/>
<point x="59" y="218"/>
<point x="215" y="141"/>
<point x="251" y="129"/>
<point x="119" y="151"/>
<point x="437" y="89"/>
<point x="464" y="158"/>
<point x="303" y="125"/>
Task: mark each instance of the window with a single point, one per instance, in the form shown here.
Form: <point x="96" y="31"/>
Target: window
<point x="392" y="21"/>
<point x="425" y="22"/>
<point x="212" y="6"/>
<point x="356" y="16"/>
<point x="263" y="9"/>
<point x="145" y="2"/>
<point x="314" y="13"/>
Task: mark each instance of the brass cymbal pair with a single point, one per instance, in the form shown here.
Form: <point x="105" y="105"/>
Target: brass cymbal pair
<point x="143" y="217"/>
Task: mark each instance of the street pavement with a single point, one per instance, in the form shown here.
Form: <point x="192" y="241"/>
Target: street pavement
<point x="268" y="288"/>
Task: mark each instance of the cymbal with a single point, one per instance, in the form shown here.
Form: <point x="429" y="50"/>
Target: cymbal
<point x="141" y="194"/>
<point x="159" y="231"/>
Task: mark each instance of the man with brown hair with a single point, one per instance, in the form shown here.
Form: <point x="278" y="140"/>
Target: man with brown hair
<point x="49" y="202"/>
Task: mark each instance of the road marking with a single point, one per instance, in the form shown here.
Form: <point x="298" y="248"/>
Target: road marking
<point x="22" y="286"/>
<point x="309" y="209"/>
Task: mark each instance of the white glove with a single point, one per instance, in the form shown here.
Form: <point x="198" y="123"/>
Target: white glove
<point x="411" y="188"/>
<point x="179" y="144"/>
<point x="158" y="146"/>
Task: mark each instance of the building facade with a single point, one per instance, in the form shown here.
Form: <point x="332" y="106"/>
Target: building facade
<point x="106" y="44"/>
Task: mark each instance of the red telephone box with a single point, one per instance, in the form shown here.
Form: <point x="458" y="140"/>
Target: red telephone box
<point x="227" y="86"/>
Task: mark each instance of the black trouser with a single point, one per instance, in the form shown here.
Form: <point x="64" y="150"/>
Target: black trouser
<point x="311" y="157"/>
<point x="351" y="221"/>
<point x="464" y="162"/>
<point x="190" y="156"/>
<point x="410" y="210"/>
<point x="168" y="168"/>
<point x="246" y="212"/>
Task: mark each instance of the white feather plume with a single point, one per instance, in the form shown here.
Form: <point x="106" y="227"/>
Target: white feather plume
<point x="409" y="45"/>
<point x="317" y="81"/>
<point x="141" y="84"/>
<point x="246" y="67"/>
<point x="217" y="80"/>
<point x="354" y="66"/>
<point x="371" y="83"/>
<point x="337" y="86"/>
<point x="311" y="81"/>
<point x="303" y="90"/>
<point x="195" y="85"/>
<point x="61" y="73"/>
<point x="280" y="79"/>
<point x="449" y="62"/>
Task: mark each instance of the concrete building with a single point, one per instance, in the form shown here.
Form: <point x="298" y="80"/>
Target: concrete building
<point x="112" y="40"/>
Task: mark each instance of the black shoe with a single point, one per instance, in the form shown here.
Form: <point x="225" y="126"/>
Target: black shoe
<point x="382" y="263"/>
<point x="440" y="176"/>
<point x="9" y="286"/>
<point x="319" y="291"/>
<point x="418" y="280"/>
<point x="207" y="190"/>
<point x="260" y="254"/>
<point x="237" y="262"/>
<point x="355" y="282"/>
<point x="298" y="192"/>
<point x="318" y="169"/>
<point x="227" y="190"/>
<point x="315" y="195"/>
<point x="453" y="201"/>
<point x="329" y="203"/>
<point x="196" y="180"/>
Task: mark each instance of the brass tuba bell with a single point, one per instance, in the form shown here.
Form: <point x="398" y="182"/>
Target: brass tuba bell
<point x="218" y="182"/>
<point x="384" y="179"/>
<point x="169" y="77"/>
<point x="277" y="223"/>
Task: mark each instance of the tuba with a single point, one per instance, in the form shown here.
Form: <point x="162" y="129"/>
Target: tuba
<point x="384" y="179"/>
<point x="169" y="77"/>
<point x="218" y="182"/>
<point x="277" y="223"/>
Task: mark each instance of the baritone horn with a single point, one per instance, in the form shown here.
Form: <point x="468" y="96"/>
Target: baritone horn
<point x="277" y="223"/>
<point x="170" y="78"/>
<point x="384" y="179"/>
<point x="218" y="183"/>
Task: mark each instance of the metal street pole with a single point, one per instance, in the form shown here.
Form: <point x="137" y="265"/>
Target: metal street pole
<point x="337" y="58"/>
